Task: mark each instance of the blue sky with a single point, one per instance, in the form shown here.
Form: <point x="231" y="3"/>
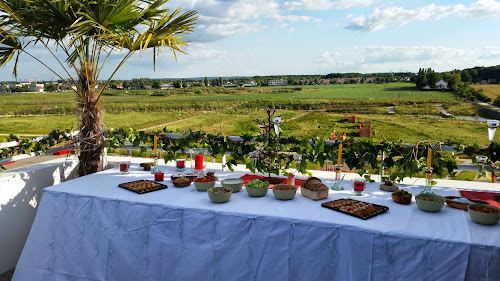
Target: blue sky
<point x="268" y="37"/>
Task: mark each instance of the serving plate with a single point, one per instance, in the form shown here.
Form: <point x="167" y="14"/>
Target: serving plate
<point x="142" y="186"/>
<point x="355" y="208"/>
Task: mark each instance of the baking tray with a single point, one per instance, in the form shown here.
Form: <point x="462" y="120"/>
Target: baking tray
<point x="360" y="211"/>
<point x="148" y="186"/>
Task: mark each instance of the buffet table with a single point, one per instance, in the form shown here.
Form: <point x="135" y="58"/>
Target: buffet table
<point x="90" y="229"/>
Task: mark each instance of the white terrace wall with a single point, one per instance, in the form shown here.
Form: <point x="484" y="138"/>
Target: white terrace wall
<point x="20" y="193"/>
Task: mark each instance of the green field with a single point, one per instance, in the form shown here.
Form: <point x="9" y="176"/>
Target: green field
<point x="492" y="91"/>
<point x="231" y="111"/>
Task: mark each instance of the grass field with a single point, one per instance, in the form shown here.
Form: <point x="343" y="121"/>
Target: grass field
<point x="492" y="91"/>
<point x="231" y="111"/>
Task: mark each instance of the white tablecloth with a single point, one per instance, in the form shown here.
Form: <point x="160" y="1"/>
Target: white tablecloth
<point x="90" y="229"/>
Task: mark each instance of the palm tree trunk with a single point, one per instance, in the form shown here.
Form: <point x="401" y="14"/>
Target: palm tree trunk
<point x="91" y="130"/>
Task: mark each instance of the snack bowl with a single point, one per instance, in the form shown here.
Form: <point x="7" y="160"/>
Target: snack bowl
<point x="147" y="166"/>
<point x="203" y="185"/>
<point x="430" y="202"/>
<point x="484" y="213"/>
<point x="220" y="194"/>
<point x="402" y="197"/>
<point x="181" y="182"/>
<point x="257" y="191"/>
<point x="284" y="191"/>
<point x="235" y="184"/>
<point x="189" y="176"/>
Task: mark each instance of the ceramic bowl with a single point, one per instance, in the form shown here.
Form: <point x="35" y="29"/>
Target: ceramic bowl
<point x="204" y="186"/>
<point x="430" y="206"/>
<point x="219" y="197"/>
<point x="235" y="184"/>
<point x="257" y="191"/>
<point x="284" y="194"/>
<point x="483" y="218"/>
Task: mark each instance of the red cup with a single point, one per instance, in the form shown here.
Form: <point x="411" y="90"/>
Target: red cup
<point x="159" y="177"/>
<point x="181" y="163"/>
<point x="359" y="186"/>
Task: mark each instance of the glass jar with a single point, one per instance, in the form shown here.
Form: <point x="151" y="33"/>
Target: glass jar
<point x="124" y="167"/>
<point x="180" y="164"/>
<point x="198" y="157"/>
<point x="359" y="187"/>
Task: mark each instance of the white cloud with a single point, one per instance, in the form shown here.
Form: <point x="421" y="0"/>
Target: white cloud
<point x="219" y="19"/>
<point x="291" y="29"/>
<point x="481" y="9"/>
<point x="383" y="58"/>
<point x="325" y="4"/>
<point x="379" y="19"/>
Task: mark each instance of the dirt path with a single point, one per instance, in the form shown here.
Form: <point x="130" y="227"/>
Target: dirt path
<point x="295" y="117"/>
<point x="173" y="122"/>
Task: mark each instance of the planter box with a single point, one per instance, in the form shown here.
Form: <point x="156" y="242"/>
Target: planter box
<point x="314" y="195"/>
<point x="364" y="132"/>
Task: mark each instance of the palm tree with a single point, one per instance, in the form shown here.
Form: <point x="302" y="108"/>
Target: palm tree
<point x="84" y="34"/>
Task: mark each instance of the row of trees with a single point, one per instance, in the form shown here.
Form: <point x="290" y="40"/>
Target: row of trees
<point x="429" y="77"/>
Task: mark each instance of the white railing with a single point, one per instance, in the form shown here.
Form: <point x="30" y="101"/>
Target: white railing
<point x="37" y="139"/>
<point x="461" y="167"/>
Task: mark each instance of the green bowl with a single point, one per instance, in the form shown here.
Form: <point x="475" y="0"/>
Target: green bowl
<point x="257" y="191"/>
<point x="430" y="206"/>
<point x="219" y="198"/>
<point x="235" y="184"/>
<point x="204" y="186"/>
<point x="284" y="194"/>
<point x="483" y="218"/>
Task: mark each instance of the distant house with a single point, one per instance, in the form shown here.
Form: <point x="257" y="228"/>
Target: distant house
<point x="492" y="81"/>
<point x="230" y="85"/>
<point x="167" y="86"/>
<point x="427" y="87"/>
<point x="441" y="84"/>
<point x="484" y="82"/>
<point x="250" y="84"/>
<point x="277" y="82"/>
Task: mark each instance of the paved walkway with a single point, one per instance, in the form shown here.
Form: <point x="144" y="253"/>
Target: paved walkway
<point x="443" y="110"/>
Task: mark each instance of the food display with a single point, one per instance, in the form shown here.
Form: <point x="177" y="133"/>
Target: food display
<point x="235" y="184"/>
<point x="147" y="166"/>
<point x="220" y="194"/>
<point x="485" y="210"/>
<point x="484" y="213"/>
<point x="205" y="183"/>
<point x="430" y="202"/>
<point x="314" y="188"/>
<point x="189" y="176"/>
<point x="257" y="184"/>
<point x="284" y="191"/>
<point x="181" y="182"/>
<point x="221" y="191"/>
<point x="359" y="209"/>
<point x="142" y="186"/>
<point x="257" y="188"/>
<point x="401" y="197"/>
<point x="284" y="187"/>
<point x="458" y="202"/>
<point x="389" y="185"/>
<point x="204" y="179"/>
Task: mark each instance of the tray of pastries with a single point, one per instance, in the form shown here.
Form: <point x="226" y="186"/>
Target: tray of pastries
<point x="142" y="186"/>
<point x="355" y="208"/>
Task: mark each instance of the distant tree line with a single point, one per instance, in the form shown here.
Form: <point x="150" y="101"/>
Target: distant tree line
<point x="462" y="89"/>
